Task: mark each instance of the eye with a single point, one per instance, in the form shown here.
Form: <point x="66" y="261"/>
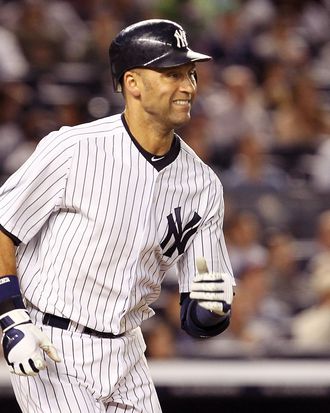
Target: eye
<point x="193" y="75"/>
<point x="173" y="75"/>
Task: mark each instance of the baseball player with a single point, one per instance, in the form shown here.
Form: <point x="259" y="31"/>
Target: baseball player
<point x="92" y="223"/>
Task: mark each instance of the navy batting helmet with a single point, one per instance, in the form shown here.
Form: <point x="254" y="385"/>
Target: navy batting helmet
<point x="153" y="43"/>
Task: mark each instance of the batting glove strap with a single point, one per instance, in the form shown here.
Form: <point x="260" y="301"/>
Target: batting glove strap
<point x="14" y="318"/>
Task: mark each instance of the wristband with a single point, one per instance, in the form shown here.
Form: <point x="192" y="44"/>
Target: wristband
<point x="10" y="294"/>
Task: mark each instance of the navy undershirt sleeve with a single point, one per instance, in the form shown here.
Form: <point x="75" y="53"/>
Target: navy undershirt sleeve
<point x="199" y="322"/>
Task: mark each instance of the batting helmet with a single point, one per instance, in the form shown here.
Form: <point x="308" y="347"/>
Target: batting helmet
<point x="153" y="43"/>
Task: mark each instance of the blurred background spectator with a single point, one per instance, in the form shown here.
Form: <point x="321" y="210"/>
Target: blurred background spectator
<point x="311" y="327"/>
<point x="261" y="120"/>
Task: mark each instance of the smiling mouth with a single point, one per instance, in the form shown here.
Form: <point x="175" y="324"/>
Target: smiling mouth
<point x="182" y="102"/>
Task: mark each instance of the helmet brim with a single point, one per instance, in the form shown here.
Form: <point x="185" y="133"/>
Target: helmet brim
<point x="177" y="58"/>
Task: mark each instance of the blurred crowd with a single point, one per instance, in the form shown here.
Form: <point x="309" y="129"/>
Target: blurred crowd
<point x="261" y="121"/>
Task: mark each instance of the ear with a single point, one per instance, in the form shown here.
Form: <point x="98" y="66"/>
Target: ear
<point x="131" y="82"/>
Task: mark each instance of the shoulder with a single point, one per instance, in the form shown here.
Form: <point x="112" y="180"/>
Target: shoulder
<point x="67" y="138"/>
<point x="195" y="161"/>
<point x="104" y="125"/>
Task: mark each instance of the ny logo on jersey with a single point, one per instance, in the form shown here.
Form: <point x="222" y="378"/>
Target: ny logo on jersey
<point x="181" y="40"/>
<point x="181" y="235"/>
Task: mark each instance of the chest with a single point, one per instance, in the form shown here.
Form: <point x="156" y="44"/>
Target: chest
<point x="123" y="197"/>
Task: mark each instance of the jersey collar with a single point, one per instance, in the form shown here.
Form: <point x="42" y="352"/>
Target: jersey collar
<point x="158" y="162"/>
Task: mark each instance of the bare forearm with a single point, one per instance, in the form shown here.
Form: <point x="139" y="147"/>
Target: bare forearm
<point x="7" y="255"/>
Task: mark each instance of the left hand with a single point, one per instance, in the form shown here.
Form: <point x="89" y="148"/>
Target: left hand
<point x="213" y="291"/>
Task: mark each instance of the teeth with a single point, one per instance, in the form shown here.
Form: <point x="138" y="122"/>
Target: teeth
<point x="182" y="102"/>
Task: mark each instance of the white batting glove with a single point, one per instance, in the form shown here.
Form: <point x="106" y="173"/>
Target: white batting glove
<point x="22" y="342"/>
<point x="212" y="290"/>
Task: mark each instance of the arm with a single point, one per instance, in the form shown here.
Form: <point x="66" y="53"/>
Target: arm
<point x="206" y="311"/>
<point x="27" y="200"/>
<point x="7" y="255"/>
<point x="21" y="339"/>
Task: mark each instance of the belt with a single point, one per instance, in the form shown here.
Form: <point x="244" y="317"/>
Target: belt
<point x="64" y="323"/>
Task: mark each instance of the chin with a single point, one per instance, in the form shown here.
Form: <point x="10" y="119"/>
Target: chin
<point x="181" y="122"/>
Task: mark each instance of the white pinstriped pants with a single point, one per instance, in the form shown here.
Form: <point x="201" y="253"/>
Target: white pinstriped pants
<point x="95" y="375"/>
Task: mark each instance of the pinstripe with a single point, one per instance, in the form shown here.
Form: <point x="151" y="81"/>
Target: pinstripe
<point x="92" y="375"/>
<point x="161" y="196"/>
<point x="85" y="233"/>
<point x="28" y="400"/>
<point x="94" y="252"/>
<point x="82" y="405"/>
<point x="80" y="395"/>
<point x="41" y="386"/>
<point x="12" y="199"/>
<point x="116" y="239"/>
<point x="68" y="375"/>
<point x="40" y="402"/>
<point x="36" y="223"/>
<point x="133" y="227"/>
<point x="81" y="376"/>
<point x="90" y="406"/>
<point x="134" y="374"/>
<point x="84" y="364"/>
<point x="125" y="204"/>
<point x="100" y="376"/>
<point x="102" y="231"/>
<point x="105" y="374"/>
<point x="134" y="318"/>
<point x="51" y="245"/>
<point x="124" y="387"/>
<point x="32" y="207"/>
<point x="68" y="405"/>
<point x="50" y="386"/>
<point x="73" y="239"/>
<point x="130" y="376"/>
<point x="46" y="149"/>
<point x="28" y="263"/>
<point x="138" y="373"/>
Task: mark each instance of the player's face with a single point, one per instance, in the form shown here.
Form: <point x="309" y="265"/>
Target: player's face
<point x="167" y="94"/>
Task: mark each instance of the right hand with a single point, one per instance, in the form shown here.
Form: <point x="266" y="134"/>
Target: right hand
<point x="212" y="290"/>
<point x="22" y="344"/>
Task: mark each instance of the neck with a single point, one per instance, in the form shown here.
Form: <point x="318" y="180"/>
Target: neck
<point x="153" y="137"/>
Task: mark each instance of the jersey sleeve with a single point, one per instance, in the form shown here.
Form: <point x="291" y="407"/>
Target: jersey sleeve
<point x="209" y="242"/>
<point x="35" y="190"/>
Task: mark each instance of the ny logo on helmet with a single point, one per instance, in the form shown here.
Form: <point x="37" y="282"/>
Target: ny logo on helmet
<point x="181" y="235"/>
<point x="181" y="40"/>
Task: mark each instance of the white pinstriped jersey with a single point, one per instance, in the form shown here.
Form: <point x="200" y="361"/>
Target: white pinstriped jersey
<point x="100" y="226"/>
